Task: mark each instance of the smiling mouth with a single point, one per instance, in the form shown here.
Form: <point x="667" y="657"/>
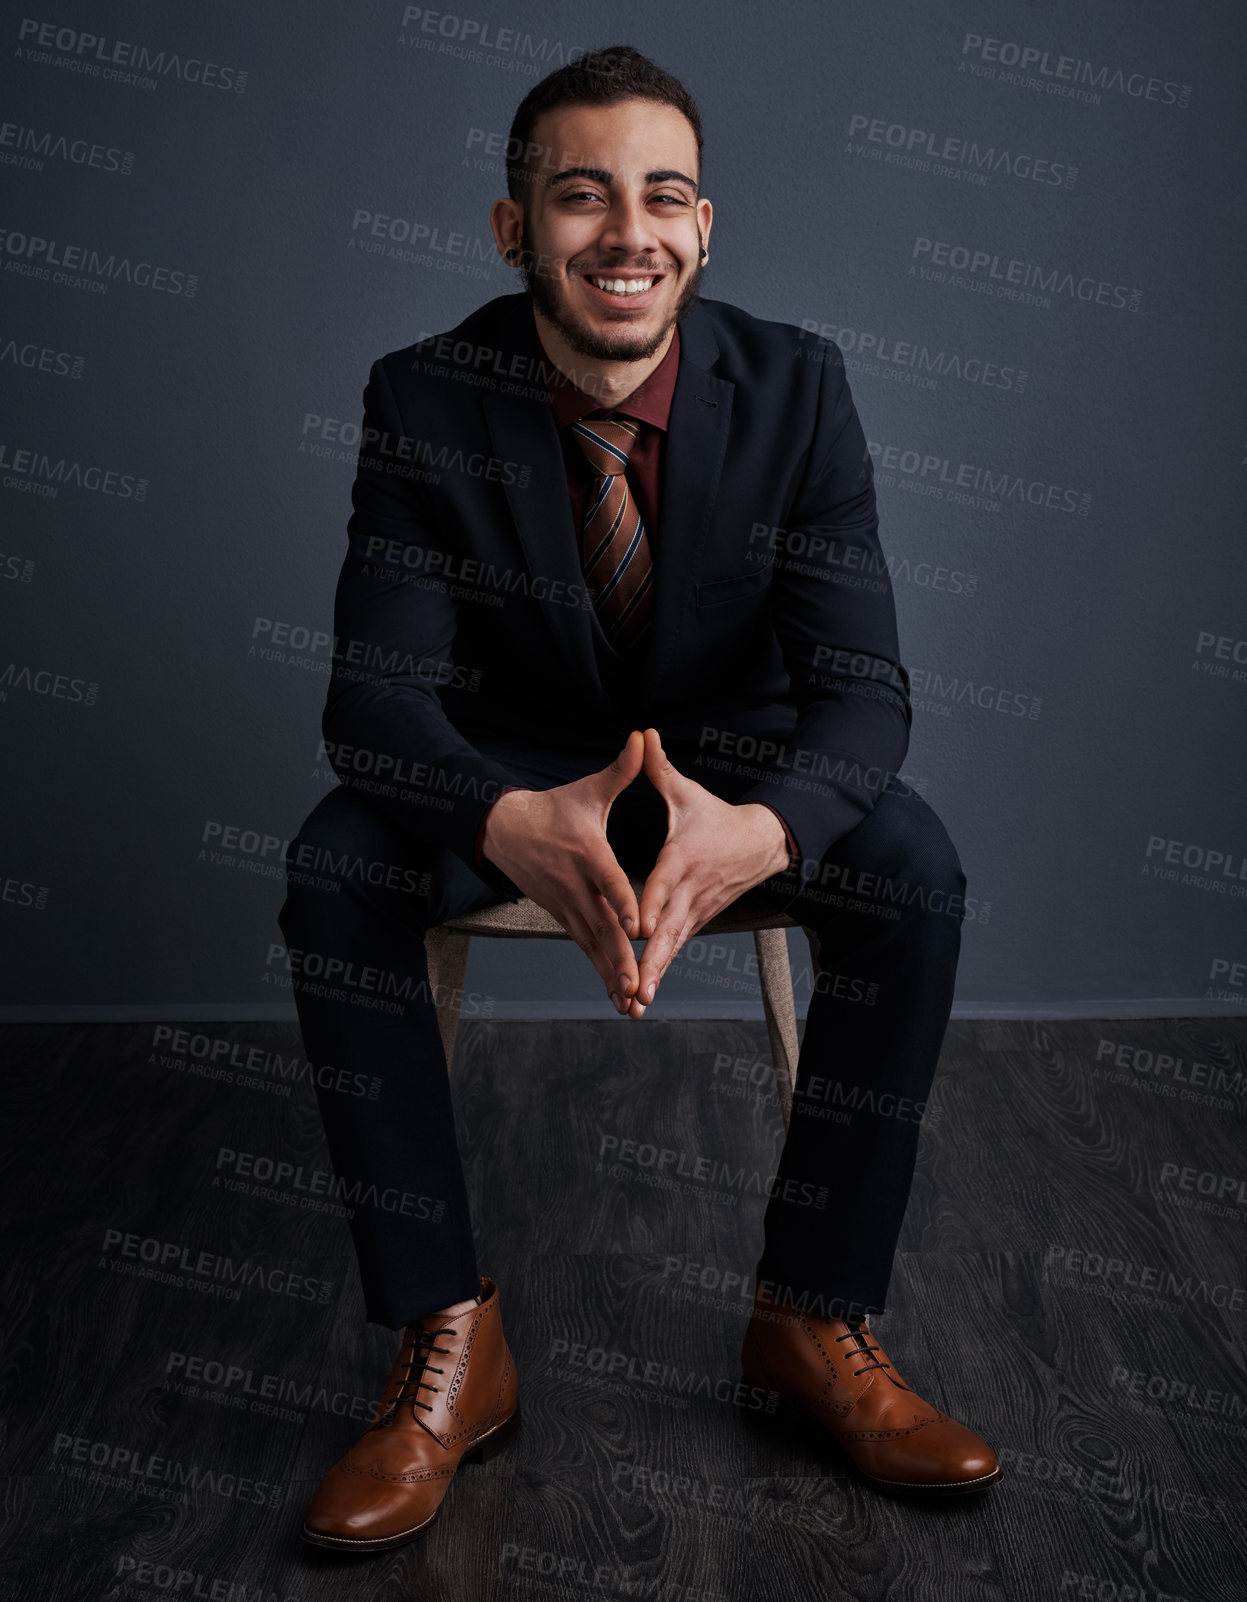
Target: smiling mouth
<point x="623" y="286"/>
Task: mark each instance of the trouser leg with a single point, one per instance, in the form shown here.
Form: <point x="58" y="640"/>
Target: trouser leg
<point x="361" y="893"/>
<point x="887" y="904"/>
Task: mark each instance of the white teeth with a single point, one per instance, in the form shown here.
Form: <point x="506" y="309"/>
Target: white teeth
<point x="621" y="286"/>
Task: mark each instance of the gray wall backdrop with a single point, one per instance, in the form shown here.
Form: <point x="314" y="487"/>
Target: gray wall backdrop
<point x="1023" y="225"/>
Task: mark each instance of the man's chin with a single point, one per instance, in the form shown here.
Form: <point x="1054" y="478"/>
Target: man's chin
<point x="601" y="342"/>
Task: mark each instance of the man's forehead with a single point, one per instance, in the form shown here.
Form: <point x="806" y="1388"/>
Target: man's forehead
<point x="657" y="138"/>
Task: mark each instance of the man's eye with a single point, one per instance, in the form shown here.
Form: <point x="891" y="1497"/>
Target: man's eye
<point x="589" y="194"/>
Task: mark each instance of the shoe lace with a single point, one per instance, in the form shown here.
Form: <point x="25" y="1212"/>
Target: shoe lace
<point x="863" y="1347"/>
<point x="418" y="1348"/>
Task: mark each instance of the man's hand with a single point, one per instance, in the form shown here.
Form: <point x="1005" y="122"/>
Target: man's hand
<point x="713" y="853"/>
<point x="552" y="845"/>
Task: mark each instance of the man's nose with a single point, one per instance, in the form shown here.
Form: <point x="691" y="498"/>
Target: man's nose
<point x="629" y="228"/>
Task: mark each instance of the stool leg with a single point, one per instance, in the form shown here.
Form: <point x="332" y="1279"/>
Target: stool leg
<point x="775" y="977"/>
<point x="446" y="951"/>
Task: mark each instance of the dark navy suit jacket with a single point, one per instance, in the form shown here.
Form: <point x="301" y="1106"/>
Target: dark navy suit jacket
<point x="464" y="630"/>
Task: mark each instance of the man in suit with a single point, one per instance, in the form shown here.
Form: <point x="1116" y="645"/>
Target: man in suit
<point x="614" y="603"/>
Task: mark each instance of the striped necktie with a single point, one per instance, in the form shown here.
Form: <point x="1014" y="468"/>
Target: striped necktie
<point x="614" y="548"/>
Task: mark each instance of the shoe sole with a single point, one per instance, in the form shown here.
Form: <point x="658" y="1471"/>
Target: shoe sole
<point x="804" y="1424"/>
<point x="481" y="1450"/>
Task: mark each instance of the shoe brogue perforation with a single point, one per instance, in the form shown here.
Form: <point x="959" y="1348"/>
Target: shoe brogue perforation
<point x="452" y="1393"/>
<point x="500" y="1403"/>
<point x="898" y="1433"/>
<point x="827" y="1398"/>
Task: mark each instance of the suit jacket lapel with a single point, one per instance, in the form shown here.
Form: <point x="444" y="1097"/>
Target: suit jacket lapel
<point x="522" y="429"/>
<point x="693" y="455"/>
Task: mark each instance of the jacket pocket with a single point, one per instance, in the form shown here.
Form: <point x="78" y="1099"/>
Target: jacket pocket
<point x="715" y="591"/>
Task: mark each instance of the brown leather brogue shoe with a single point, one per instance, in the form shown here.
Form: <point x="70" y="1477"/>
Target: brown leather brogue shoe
<point x="825" y="1370"/>
<point x="452" y="1398"/>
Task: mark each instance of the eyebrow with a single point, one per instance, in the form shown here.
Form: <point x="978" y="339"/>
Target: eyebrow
<point x="601" y="176"/>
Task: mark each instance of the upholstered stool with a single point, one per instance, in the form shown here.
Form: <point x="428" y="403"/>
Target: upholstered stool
<point x="446" y="947"/>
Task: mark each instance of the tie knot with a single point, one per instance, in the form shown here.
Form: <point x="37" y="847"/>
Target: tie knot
<point x="606" y="442"/>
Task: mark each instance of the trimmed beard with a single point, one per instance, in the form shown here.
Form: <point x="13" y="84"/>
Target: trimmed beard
<point x="622" y="347"/>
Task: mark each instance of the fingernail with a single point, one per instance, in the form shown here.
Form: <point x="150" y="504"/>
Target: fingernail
<point x="650" y="989"/>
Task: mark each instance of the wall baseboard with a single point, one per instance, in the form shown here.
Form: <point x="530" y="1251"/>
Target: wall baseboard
<point x="539" y="1011"/>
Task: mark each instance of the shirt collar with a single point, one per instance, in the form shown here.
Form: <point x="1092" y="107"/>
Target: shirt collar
<point x="649" y="402"/>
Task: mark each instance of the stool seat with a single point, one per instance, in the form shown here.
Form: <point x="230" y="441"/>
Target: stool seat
<point x="447" y="944"/>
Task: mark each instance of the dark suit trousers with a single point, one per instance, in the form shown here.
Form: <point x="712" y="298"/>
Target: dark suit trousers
<point x="885" y="902"/>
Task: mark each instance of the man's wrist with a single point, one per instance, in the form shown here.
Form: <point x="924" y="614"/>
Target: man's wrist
<point x="784" y="850"/>
<point x="483" y="826"/>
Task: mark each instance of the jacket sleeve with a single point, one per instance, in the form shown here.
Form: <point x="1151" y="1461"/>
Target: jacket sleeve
<point x="386" y="733"/>
<point x="835" y="618"/>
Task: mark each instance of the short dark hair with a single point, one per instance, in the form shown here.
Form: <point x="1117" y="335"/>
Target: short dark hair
<point x="598" y="78"/>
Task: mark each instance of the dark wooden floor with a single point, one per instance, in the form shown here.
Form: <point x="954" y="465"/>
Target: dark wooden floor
<point x="1122" y="1419"/>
